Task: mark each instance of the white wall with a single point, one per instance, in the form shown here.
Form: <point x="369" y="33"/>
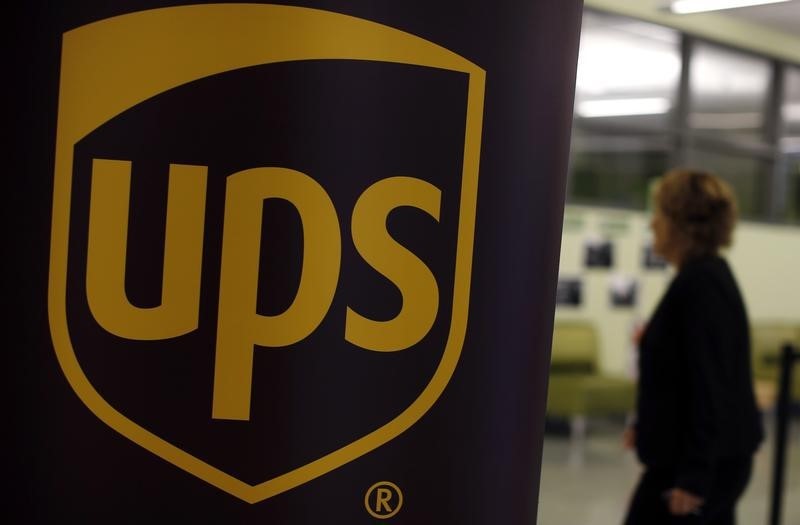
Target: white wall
<point x="765" y="259"/>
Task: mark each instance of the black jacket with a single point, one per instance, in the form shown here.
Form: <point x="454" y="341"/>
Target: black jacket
<point x="695" y="404"/>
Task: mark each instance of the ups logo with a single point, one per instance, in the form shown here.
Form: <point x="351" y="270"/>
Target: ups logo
<point x="262" y="236"/>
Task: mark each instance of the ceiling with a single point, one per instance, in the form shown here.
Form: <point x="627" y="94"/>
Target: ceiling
<point x="784" y="17"/>
<point x="770" y="30"/>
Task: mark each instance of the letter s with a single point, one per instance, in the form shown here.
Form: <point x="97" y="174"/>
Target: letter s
<point x="414" y="279"/>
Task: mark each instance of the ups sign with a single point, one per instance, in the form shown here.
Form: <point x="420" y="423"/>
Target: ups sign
<point x="263" y="226"/>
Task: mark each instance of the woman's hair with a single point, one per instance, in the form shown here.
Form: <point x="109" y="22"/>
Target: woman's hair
<point x="701" y="208"/>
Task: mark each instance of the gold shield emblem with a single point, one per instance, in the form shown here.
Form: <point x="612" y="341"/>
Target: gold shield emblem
<point x="113" y="65"/>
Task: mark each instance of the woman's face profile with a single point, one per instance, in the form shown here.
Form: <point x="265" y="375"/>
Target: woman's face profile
<point x="659" y="224"/>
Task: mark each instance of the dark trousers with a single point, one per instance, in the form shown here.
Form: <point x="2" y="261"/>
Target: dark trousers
<point x="649" y="506"/>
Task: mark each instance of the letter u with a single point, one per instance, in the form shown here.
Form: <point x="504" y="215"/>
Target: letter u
<point x="178" y="312"/>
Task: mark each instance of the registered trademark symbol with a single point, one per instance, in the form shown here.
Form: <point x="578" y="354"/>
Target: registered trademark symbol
<point x="383" y="500"/>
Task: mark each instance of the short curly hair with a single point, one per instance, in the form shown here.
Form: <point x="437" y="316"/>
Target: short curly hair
<point x="701" y="208"/>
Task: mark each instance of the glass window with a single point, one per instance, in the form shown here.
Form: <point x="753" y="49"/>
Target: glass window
<point x="728" y="93"/>
<point x="628" y="73"/>
<point x="793" y="195"/>
<point x="626" y="131"/>
<point x="790" y="141"/>
<point x="748" y="176"/>
<point x="790" y="111"/>
<point x="626" y="91"/>
<point x="616" y="170"/>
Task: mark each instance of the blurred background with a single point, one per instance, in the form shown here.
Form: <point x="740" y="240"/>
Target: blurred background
<point x="657" y="88"/>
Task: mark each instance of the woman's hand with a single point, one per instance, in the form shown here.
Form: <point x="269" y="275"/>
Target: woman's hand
<point x="681" y="503"/>
<point x="638" y="332"/>
<point x="629" y="437"/>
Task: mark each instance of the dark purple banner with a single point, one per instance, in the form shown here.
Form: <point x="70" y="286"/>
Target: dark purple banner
<point x="286" y="263"/>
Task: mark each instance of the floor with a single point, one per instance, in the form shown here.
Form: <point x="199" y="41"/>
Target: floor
<point x="594" y="489"/>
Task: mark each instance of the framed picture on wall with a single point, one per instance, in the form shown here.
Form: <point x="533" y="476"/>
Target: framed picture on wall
<point x="569" y="291"/>
<point x="650" y="259"/>
<point x="598" y="252"/>
<point x="622" y="291"/>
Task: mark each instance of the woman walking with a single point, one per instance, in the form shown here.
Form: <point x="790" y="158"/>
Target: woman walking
<point x="697" y="425"/>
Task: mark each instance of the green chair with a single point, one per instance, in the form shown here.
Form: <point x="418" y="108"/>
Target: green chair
<point x="768" y="338"/>
<point x="577" y="389"/>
